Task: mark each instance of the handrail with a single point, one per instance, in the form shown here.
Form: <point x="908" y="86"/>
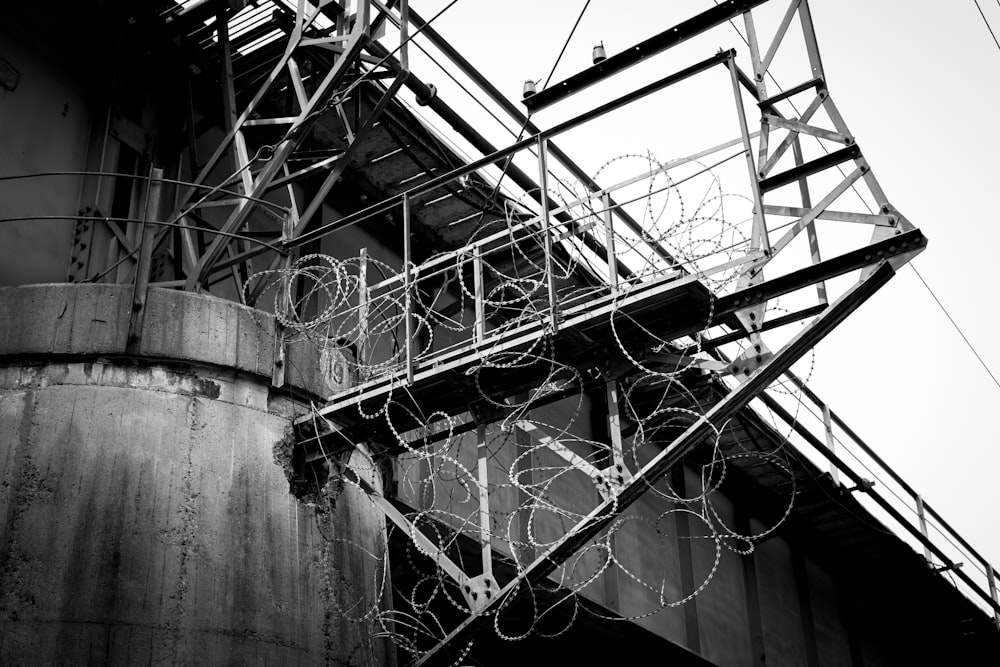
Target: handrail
<point x="504" y="153"/>
<point x="917" y="529"/>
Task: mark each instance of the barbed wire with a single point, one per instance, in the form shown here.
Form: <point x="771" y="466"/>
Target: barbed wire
<point x="538" y="494"/>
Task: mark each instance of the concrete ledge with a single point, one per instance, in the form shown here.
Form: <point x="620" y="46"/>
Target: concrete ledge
<point x="87" y="320"/>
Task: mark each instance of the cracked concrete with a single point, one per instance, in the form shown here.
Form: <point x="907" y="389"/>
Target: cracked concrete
<point x="143" y="519"/>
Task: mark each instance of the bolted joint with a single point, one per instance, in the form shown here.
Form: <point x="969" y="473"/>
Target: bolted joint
<point x="864" y="486"/>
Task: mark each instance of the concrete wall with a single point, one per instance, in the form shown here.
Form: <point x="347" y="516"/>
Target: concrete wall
<point x="44" y="126"/>
<point x="143" y="519"/>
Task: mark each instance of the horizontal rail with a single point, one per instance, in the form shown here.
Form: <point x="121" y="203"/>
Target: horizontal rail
<point x="497" y="157"/>
<point x="820" y="447"/>
<point x="635" y="54"/>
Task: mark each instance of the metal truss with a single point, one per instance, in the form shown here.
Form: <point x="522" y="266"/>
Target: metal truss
<point x="781" y="190"/>
<point x="786" y="203"/>
<point x="696" y="434"/>
<point x="268" y="168"/>
<point x="782" y="183"/>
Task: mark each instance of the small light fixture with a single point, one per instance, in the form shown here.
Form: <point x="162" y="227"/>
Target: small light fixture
<point x="423" y="99"/>
<point x="600" y="55"/>
<point x="530" y="88"/>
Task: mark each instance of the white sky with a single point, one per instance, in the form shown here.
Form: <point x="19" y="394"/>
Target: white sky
<point x="917" y="83"/>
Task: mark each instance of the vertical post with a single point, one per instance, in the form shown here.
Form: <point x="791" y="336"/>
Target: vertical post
<point x="146" y="240"/>
<point x="609" y="243"/>
<point x="241" y="157"/>
<point x="922" y="516"/>
<point x="759" y="237"/>
<point x="685" y="561"/>
<point x="125" y="247"/>
<point x="407" y="287"/>
<point x="614" y="426"/>
<point x="278" y="368"/>
<point x="751" y="593"/>
<point x="285" y="262"/>
<point x="543" y="180"/>
<point x="525" y="475"/>
<point x="800" y="573"/>
<point x="991" y="575"/>
<point x="404" y="34"/>
<point x="363" y="310"/>
<point x="831" y="443"/>
<point x="480" y="295"/>
<point x="484" y="502"/>
<point x="612" y="585"/>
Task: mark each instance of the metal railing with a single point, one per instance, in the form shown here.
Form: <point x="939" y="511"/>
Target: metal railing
<point x="817" y="430"/>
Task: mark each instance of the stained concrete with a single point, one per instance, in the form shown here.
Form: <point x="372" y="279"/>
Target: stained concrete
<point x="179" y="327"/>
<point x="143" y="519"/>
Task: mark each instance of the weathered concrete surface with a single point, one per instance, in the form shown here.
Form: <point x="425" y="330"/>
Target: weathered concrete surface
<point x="92" y="319"/>
<point x="784" y="643"/>
<point x="142" y="517"/>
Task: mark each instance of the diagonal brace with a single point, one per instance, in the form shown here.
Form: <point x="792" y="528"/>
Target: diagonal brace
<point x="736" y="400"/>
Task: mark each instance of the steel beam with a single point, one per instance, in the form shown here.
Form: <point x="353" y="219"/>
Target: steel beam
<point x="619" y="62"/>
<point x="500" y="155"/>
<point x="525" y="122"/>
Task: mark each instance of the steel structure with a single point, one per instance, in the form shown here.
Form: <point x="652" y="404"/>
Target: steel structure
<point x="271" y="121"/>
<point x="893" y="241"/>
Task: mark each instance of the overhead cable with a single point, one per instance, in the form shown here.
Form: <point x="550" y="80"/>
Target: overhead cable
<point x="988" y="26"/>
